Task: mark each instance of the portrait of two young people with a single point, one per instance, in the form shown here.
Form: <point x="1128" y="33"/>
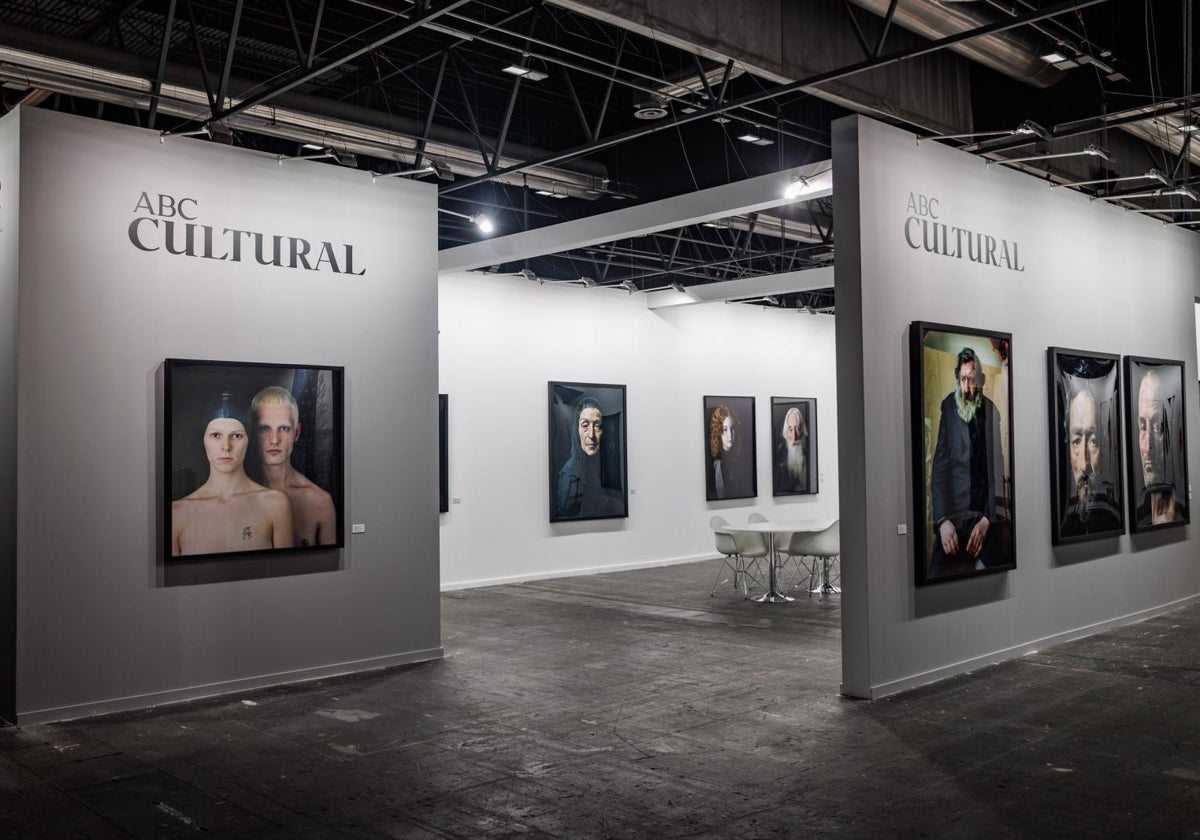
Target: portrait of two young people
<point x="253" y="457"/>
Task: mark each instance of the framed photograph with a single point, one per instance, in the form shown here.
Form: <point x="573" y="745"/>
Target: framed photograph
<point x="794" y="456"/>
<point x="443" y="453"/>
<point x="730" y="468"/>
<point x="588" y="460"/>
<point x="1086" y="475"/>
<point x="253" y="458"/>
<point x="1156" y="443"/>
<point x="962" y="443"/>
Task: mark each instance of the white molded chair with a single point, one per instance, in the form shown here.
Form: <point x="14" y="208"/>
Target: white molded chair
<point x="734" y="559"/>
<point x="827" y="547"/>
<point x="797" y="550"/>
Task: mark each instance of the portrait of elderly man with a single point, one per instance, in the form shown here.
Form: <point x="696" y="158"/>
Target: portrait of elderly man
<point x="967" y="474"/>
<point x="1088" y="479"/>
<point x="730" y="472"/>
<point x="1160" y="474"/>
<point x="590" y="484"/>
<point x="794" y="458"/>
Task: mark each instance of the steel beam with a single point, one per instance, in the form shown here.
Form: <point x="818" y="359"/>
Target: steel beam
<point x="156" y="88"/>
<point x="739" y="197"/>
<point x="223" y="88"/>
<point x="746" y="287"/>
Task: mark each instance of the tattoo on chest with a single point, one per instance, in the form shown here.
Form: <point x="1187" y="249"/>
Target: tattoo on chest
<point x="248" y="532"/>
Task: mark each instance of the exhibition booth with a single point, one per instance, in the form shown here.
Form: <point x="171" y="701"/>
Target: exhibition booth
<point x="171" y="301"/>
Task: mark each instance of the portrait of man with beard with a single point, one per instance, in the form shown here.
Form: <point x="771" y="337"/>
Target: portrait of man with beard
<point x="794" y="464"/>
<point x="1085" y="446"/>
<point x="967" y="506"/>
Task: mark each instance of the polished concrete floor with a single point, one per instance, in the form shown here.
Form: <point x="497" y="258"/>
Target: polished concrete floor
<point x="634" y="705"/>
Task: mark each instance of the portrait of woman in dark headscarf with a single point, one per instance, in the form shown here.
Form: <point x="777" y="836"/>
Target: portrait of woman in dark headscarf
<point x="591" y="482"/>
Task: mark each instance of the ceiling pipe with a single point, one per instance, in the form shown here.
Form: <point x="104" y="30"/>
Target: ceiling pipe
<point x="1011" y="53"/>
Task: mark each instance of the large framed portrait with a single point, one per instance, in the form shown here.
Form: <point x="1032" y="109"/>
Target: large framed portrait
<point x="588" y="460"/>
<point x="1086" y="475"/>
<point x="443" y="453"/>
<point x="964" y="510"/>
<point x="794" y="455"/>
<point x="253" y="458"/>
<point x="1156" y="444"/>
<point x="730" y="468"/>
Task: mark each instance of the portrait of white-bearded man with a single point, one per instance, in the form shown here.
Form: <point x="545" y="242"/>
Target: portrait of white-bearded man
<point x="275" y="417"/>
<point x="791" y="462"/>
<point x="1089" y="448"/>
<point x="966" y="475"/>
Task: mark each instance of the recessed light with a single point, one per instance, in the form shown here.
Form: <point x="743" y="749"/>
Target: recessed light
<point x="516" y="70"/>
<point x="1053" y="57"/>
<point x="749" y="137"/>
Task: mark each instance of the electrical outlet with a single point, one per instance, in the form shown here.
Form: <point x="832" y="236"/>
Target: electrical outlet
<point x="901" y="529"/>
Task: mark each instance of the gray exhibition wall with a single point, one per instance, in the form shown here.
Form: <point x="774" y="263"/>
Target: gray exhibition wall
<point x="102" y="621"/>
<point x="10" y="129"/>
<point x="1091" y="277"/>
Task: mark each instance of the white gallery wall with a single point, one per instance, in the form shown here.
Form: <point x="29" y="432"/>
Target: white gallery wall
<point x="1094" y="278"/>
<point x="102" y="621"/>
<point x="503" y="338"/>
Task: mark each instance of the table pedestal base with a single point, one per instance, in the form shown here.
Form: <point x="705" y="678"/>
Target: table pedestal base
<point x="772" y="598"/>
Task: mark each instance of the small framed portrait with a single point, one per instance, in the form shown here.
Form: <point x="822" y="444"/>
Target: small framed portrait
<point x="964" y="511"/>
<point x="253" y="458"/>
<point x="1156" y="443"/>
<point x="730" y="468"/>
<point x="794" y="452"/>
<point x="443" y="453"/>
<point x="1086" y="474"/>
<point x="588" y="460"/>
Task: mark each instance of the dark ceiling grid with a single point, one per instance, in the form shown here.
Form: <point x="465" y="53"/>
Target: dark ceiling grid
<point x="377" y="57"/>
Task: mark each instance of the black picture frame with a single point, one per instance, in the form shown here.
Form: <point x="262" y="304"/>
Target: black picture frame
<point x="1154" y="398"/>
<point x="443" y="453"/>
<point x="794" y="468"/>
<point x="587" y="485"/>
<point x="1087" y="479"/>
<point x="198" y="471"/>
<point x="962" y="471"/>
<point x="730" y="465"/>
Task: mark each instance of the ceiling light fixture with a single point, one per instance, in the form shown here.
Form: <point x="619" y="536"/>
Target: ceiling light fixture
<point x="1150" y="175"/>
<point x="590" y="282"/>
<point x="325" y="152"/>
<point x="163" y="135"/>
<point x="442" y="170"/>
<point x="679" y="287"/>
<point x="795" y="187"/>
<point x="525" y="73"/>
<point x="1092" y="151"/>
<point x="1053" y="57"/>
<point x="628" y="285"/>
<point x="480" y="220"/>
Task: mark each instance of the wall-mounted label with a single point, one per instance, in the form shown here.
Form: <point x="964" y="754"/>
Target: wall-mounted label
<point x="172" y="224"/>
<point x="924" y="229"/>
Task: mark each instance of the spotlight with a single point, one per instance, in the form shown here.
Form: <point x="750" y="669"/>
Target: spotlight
<point x="483" y="223"/>
<point x="679" y="287"/>
<point x="798" y="185"/>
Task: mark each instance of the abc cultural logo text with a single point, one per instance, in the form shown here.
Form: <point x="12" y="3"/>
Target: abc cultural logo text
<point x="167" y="223"/>
<point x="925" y="230"/>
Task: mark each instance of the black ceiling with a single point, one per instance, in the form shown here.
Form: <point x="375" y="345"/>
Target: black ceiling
<point x="382" y="65"/>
